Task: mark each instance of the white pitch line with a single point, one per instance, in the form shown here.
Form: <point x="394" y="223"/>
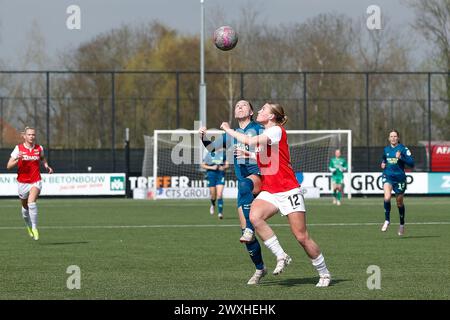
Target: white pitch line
<point x="102" y="205"/>
<point x="311" y="206"/>
<point x="220" y="226"/>
<point x="149" y="204"/>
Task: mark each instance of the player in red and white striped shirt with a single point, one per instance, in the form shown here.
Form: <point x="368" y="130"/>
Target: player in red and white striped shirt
<point x="280" y="190"/>
<point x="28" y="156"/>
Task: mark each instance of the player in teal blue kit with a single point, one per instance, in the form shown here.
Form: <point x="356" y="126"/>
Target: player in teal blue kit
<point x="395" y="157"/>
<point x="215" y="164"/>
<point x="249" y="180"/>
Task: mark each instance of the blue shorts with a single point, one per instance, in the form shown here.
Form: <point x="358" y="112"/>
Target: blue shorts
<point x="215" y="177"/>
<point x="399" y="186"/>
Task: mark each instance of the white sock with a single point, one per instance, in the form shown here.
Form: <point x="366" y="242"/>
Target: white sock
<point x="273" y="245"/>
<point x="319" y="264"/>
<point x="26" y="216"/>
<point x="32" y="208"/>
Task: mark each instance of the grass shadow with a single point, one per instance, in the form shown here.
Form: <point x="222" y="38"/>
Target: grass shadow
<point x="62" y="243"/>
<point x="416" y="237"/>
<point x="292" y="282"/>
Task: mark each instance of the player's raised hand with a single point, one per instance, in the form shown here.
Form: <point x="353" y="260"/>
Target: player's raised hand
<point x="383" y="165"/>
<point x="244" y="154"/>
<point x="202" y="131"/>
<point x="225" y="126"/>
<point x="241" y="153"/>
<point x="398" y="154"/>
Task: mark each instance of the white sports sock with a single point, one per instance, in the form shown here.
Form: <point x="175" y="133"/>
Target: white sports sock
<point x="273" y="245"/>
<point x="319" y="264"/>
<point x="32" y="208"/>
<point x="26" y="216"/>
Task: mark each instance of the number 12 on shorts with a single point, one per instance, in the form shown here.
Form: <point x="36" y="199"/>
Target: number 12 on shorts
<point x="295" y="201"/>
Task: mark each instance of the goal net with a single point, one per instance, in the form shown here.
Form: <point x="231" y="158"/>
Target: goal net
<point x="175" y="157"/>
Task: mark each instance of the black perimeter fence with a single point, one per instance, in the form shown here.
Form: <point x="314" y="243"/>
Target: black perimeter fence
<point x="81" y="116"/>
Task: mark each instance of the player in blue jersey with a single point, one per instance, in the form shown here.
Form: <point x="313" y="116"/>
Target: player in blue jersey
<point x="215" y="165"/>
<point x="395" y="157"/>
<point x="249" y="180"/>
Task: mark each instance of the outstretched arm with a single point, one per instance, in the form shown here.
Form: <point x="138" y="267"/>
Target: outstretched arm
<point x="244" y="154"/>
<point x="251" y="141"/>
<point x="211" y="146"/>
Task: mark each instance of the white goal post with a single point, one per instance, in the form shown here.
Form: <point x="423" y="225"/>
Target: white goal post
<point x="175" y="156"/>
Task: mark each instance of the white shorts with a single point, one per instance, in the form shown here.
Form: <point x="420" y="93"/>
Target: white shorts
<point x="287" y="202"/>
<point x="24" y="188"/>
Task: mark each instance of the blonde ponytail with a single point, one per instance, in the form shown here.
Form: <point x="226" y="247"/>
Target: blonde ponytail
<point x="278" y="111"/>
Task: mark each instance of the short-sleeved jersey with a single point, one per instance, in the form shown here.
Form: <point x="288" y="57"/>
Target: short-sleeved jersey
<point x="28" y="167"/>
<point x="395" y="168"/>
<point x="274" y="162"/>
<point x="247" y="166"/>
<point x="242" y="167"/>
<point x="337" y="166"/>
<point x="216" y="157"/>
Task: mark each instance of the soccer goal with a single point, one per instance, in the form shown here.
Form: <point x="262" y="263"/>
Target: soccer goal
<point x="174" y="157"/>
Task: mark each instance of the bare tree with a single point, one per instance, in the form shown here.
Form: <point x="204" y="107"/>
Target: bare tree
<point x="28" y="90"/>
<point x="433" y="23"/>
<point x="382" y="50"/>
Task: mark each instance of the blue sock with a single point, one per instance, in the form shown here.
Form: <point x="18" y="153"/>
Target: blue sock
<point x="254" y="250"/>
<point x="220" y="205"/>
<point x="387" y="210"/>
<point x="245" y="189"/>
<point x="246" y="211"/>
<point x="401" y="211"/>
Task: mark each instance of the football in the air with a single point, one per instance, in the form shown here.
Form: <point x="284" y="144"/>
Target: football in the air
<point x="225" y="38"/>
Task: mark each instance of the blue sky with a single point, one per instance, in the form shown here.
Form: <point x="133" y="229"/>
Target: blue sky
<point x="97" y="16"/>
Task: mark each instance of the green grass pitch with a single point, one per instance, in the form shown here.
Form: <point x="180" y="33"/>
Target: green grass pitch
<point x="137" y="249"/>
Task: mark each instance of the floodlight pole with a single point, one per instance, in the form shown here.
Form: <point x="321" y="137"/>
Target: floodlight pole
<point x="202" y="91"/>
<point x="127" y="163"/>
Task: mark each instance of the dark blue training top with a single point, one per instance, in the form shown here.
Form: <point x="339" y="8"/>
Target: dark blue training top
<point x="215" y="157"/>
<point x="395" y="168"/>
<point x="242" y="167"/>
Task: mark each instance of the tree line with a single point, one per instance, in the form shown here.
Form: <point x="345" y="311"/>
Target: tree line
<point x="80" y="108"/>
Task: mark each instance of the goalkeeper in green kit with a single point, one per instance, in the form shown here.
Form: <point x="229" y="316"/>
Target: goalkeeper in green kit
<point x="337" y="167"/>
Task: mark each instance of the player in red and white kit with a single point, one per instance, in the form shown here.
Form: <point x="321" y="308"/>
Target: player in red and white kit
<point x="280" y="190"/>
<point x="28" y="156"/>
